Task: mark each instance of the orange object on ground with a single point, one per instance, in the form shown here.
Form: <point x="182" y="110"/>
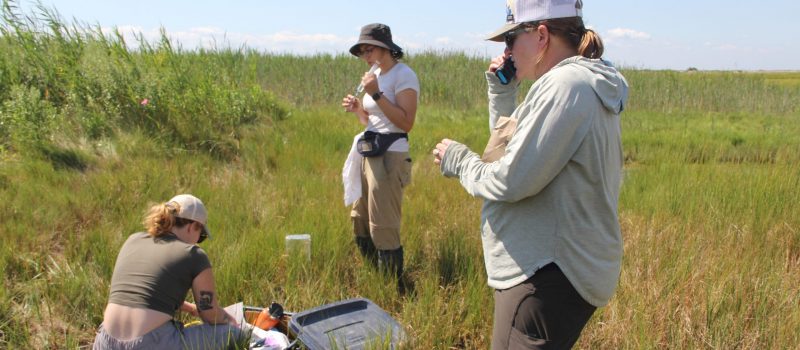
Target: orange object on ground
<point x="265" y="321"/>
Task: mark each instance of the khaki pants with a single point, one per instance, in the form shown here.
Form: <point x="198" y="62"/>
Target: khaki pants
<point x="378" y="212"/>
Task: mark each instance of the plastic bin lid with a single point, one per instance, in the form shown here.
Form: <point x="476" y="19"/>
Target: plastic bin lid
<point x="350" y="324"/>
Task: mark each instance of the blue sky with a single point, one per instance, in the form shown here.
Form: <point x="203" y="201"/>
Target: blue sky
<point x="709" y="35"/>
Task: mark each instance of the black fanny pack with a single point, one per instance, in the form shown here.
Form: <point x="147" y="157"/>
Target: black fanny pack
<point x="373" y="144"/>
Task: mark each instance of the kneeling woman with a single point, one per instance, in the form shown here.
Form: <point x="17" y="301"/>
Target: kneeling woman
<point x="153" y="273"/>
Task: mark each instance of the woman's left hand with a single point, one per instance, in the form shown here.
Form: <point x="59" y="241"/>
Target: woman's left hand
<point x="351" y="104"/>
<point x="441" y="148"/>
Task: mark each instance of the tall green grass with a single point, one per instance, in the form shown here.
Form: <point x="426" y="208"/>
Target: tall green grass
<point x="674" y="93"/>
<point x="450" y="79"/>
<point x="64" y="82"/>
<point x="708" y="206"/>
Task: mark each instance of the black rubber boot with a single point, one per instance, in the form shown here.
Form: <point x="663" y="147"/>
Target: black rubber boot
<point x="391" y="261"/>
<point x="367" y="249"/>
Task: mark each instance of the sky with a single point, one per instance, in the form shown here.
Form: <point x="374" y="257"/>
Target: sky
<point x="677" y="34"/>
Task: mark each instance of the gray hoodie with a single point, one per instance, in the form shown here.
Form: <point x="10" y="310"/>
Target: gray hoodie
<point x="553" y="196"/>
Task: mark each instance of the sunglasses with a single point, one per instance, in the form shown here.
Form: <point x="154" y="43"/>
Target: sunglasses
<point x="203" y="234"/>
<point x="366" y="51"/>
<point x="511" y="36"/>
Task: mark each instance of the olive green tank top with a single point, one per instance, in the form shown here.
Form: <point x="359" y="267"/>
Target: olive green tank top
<point x="155" y="273"/>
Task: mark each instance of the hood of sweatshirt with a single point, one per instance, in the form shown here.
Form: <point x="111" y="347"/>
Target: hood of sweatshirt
<point x="607" y="82"/>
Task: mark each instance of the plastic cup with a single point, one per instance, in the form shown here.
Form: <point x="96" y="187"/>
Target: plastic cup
<point x="299" y="246"/>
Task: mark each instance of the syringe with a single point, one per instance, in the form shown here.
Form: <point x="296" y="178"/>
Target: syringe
<point x="360" y="87"/>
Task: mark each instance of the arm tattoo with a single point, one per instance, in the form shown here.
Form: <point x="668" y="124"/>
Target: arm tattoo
<point x="205" y="301"/>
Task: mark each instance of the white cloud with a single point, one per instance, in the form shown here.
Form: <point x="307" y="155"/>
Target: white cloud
<point x="213" y="37"/>
<point x="725" y="47"/>
<point x="123" y="29"/>
<point x="303" y="43"/>
<point x="310" y="39"/>
<point x="625" y="33"/>
<point x="443" y="41"/>
<point x="207" y="30"/>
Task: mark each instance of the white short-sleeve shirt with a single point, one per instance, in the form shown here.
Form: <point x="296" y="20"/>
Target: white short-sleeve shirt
<point x="397" y="79"/>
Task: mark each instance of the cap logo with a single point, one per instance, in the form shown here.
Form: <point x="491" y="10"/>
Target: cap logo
<point x="509" y="11"/>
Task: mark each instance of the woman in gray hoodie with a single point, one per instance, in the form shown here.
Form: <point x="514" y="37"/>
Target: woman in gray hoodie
<point x="549" y="222"/>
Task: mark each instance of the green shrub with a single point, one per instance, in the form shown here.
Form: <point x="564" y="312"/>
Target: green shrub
<point x="26" y="120"/>
<point x="75" y="81"/>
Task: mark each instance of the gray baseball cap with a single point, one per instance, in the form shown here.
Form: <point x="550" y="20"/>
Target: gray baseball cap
<point x="192" y="208"/>
<point x="523" y="11"/>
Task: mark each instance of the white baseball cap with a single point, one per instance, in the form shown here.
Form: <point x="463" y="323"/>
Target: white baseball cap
<point x="192" y="208"/>
<point x="522" y="11"/>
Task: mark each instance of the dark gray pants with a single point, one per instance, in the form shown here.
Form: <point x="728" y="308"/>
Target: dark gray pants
<point x="544" y="312"/>
<point x="172" y="336"/>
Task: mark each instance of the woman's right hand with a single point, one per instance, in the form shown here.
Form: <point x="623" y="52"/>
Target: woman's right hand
<point x="497" y="62"/>
<point x="351" y="104"/>
<point x="440" y="149"/>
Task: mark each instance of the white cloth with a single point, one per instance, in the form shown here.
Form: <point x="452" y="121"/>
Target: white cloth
<point x="266" y="339"/>
<point x="260" y="339"/>
<point x="351" y="174"/>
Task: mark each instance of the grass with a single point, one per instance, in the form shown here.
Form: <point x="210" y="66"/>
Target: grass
<point x="711" y="251"/>
<point x="708" y="206"/>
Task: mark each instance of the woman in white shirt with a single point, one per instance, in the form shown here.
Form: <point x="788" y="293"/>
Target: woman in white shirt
<point x="388" y="111"/>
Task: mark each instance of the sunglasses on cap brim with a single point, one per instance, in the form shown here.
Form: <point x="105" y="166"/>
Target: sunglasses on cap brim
<point x="511" y="36"/>
<point x="203" y="234"/>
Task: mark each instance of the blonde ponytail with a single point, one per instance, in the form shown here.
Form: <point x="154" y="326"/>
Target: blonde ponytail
<point x="161" y="218"/>
<point x="591" y="45"/>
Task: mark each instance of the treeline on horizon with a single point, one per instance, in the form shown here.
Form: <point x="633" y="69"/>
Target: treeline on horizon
<point x="62" y="84"/>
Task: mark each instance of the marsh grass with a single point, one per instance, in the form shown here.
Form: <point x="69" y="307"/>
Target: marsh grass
<point x="708" y="206"/>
